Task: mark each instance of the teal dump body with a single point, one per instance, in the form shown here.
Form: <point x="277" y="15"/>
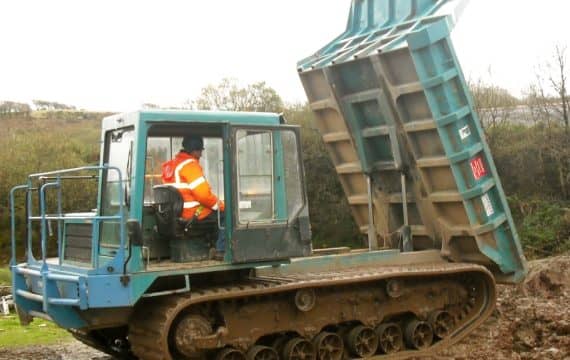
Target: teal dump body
<point x="395" y="112"/>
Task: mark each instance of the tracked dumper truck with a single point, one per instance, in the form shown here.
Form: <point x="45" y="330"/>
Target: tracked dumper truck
<point x="133" y="279"/>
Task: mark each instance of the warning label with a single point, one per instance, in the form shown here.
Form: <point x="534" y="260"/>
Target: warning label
<point x="487" y="205"/>
<point x="478" y="168"/>
<point x="464" y="132"/>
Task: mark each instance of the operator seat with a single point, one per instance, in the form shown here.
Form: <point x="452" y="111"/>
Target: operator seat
<point x="190" y="240"/>
<point x="168" y="204"/>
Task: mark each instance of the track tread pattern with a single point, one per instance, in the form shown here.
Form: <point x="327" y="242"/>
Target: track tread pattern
<point x="152" y="319"/>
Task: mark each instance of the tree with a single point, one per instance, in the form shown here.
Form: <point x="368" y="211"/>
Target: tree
<point x="558" y="80"/>
<point x="228" y="95"/>
<point x="494" y="104"/>
<point x="12" y="108"/>
<point x="51" y="105"/>
<point x="148" y="106"/>
<point x="547" y="97"/>
<point x="538" y="103"/>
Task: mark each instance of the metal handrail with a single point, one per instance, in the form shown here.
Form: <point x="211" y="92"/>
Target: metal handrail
<point x="44" y="218"/>
<point x="13" y="222"/>
<point x="67" y="171"/>
<point x="63" y="217"/>
<point x="43" y="233"/>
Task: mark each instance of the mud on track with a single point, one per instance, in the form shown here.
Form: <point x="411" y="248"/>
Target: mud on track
<point x="531" y="321"/>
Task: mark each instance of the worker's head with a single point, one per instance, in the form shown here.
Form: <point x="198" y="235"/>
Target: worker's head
<point x="193" y="144"/>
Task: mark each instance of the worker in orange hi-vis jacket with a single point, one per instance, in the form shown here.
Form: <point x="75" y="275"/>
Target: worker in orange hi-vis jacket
<point x="185" y="173"/>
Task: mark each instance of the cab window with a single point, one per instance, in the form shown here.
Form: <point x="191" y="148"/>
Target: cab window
<point x="269" y="186"/>
<point x="162" y="149"/>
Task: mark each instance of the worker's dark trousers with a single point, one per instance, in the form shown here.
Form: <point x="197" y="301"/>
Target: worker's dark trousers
<point x="221" y="241"/>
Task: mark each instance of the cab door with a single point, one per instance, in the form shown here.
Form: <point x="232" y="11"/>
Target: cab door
<point x="269" y="213"/>
<point x="116" y="189"/>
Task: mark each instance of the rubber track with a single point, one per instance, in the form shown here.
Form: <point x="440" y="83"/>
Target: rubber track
<point x="151" y="321"/>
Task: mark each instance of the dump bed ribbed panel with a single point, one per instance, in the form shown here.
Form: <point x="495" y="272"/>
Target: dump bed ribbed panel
<point x="390" y="99"/>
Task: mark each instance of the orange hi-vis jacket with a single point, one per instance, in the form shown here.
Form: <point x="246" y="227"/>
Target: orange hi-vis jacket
<point x="185" y="173"/>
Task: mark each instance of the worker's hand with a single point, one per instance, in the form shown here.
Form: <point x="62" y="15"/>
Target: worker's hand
<point x="221" y="205"/>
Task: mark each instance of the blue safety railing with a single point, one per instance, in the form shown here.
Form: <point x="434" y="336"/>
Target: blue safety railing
<point x="51" y="274"/>
<point x="13" y="221"/>
<point x="60" y="217"/>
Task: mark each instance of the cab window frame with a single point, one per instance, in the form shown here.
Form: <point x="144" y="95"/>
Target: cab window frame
<point x="295" y="130"/>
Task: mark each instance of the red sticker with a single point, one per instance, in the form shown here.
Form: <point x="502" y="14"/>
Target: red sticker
<point x="478" y="168"/>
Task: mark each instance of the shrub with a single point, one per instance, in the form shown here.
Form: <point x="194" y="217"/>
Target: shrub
<point x="544" y="226"/>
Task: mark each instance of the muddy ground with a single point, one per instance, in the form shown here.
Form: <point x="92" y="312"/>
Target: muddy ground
<point x="531" y="321"/>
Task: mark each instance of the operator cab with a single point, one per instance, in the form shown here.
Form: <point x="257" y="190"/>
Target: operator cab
<point x="252" y="163"/>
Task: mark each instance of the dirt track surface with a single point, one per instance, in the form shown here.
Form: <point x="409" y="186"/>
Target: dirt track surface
<point x="64" y="351"/>
<point x="531" y="321"/>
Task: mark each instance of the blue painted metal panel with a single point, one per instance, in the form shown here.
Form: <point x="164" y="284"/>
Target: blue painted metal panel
<point x="393" y="106"/>
<point x="380" y="25"/>
<point x="216" y="117"/>
<point x="37" y="291"/>
<point x="335" y="262"/>
<point x="483" y="196"/>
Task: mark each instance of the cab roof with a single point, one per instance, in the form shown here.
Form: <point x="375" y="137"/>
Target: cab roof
<point x="189" y="116"/>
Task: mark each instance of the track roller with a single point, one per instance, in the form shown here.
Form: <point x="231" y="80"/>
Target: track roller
<point x="442" y="323"/>
<point x="328" y="346"/>
<point x="190" y="327"/>
<point x="279" y="343"/>
<point x="305" y="299"/>
<point x="229" y="353"/>
<point x="418" y="334"/>
<point x="394" y="288"/>
<point x="298" y="348"/>
<point x="259" y="352"/>
<point x="390" y="338"/>
<point x="362" y="341"/>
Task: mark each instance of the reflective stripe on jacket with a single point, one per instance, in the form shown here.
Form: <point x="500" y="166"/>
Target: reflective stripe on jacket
<point x="185" y="173"/>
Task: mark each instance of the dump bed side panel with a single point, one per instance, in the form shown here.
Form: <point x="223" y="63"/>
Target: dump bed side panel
<point x="394" y="110"/>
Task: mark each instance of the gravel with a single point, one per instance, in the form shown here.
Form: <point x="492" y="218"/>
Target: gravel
<point x="69" y="350"/>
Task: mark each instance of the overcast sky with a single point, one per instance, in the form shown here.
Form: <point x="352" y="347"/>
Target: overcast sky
<point x="115" y="55"/>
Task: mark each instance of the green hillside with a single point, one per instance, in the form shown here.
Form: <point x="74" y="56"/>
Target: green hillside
<point x="532" y="161"/>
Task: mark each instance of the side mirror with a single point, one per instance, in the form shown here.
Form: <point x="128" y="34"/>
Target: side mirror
<point x="134" y="231"/>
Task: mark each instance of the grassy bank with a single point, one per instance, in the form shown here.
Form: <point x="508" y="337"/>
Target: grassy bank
<point x="37" y="333"/>
<point x="5" y="276"/>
